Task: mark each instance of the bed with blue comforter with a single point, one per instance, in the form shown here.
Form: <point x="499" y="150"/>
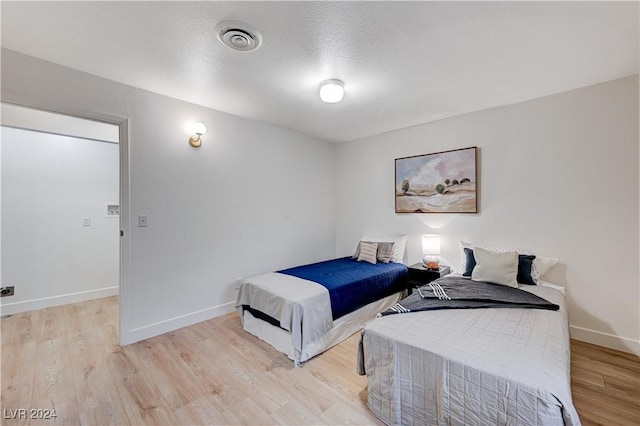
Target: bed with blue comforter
<point x="352" y="284"/>
<point x="318" y="304"/>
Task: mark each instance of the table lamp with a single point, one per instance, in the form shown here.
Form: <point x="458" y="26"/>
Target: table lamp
<point x="430" y="250"/>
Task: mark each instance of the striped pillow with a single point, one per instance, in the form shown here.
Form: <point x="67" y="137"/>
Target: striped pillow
<point x="368" y="252"/>
<point x="399" y="244"/>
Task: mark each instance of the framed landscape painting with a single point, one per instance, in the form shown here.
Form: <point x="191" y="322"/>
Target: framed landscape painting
<point x="442" y="182"/>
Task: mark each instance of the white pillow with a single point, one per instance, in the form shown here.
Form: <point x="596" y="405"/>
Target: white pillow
<point x="497" y="268"/>
<point x="541" y="264"/>
<point x="399" y="244"/>
<point x="368" y="251"/>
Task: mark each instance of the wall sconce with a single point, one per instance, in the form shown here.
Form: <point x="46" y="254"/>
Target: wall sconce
<point x="430" y="250"/>
<point x="199" y="129"/>
<point x="331" y="91"/>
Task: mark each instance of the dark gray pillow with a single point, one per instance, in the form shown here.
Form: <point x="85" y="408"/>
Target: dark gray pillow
<point x="525" y="263"/>
<point x="385" y="250"/>
<point x="470" y="263"/>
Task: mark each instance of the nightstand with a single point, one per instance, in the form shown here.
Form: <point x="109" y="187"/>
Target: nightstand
<point x="419" y="275"/>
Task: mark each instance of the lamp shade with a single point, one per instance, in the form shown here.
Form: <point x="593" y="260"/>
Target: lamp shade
<point x="431" y="244"/>
<point x="199" y="128"/>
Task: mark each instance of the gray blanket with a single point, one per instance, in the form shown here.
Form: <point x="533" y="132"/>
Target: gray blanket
<point x="454" y="292"/>
<point x="302" y="307"/>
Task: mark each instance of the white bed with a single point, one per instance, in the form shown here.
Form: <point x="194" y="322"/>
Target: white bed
<point x="292" y="312"/>
<point x="343" y="327"/>
<point x="303" y="311"/>
<point x="471" y="366"/>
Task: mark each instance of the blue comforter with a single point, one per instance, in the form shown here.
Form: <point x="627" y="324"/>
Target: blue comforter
<point x="353" y="284"/>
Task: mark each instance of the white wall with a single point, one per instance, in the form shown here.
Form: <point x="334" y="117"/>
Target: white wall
<point x="558" y="175"/>
<point x="253" y="198"/>
<point x="49" y="184"/>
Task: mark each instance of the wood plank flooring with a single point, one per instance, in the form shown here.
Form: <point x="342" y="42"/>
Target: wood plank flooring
<point x="67" y="358"/>
<point x="605" y="385"/>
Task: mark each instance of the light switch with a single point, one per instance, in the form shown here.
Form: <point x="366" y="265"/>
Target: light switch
<point x="142" y="220"/>
<point x="86" y="221"/>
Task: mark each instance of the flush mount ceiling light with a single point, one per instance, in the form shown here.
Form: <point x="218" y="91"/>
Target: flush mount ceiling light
<point x="331" y="91"/>
<point x="238" y="36"/>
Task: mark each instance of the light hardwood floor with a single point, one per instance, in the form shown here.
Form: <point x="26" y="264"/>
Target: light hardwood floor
<point x="67" y="358"/>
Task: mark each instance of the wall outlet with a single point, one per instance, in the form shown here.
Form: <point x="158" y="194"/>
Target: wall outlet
<point x="6" y="291"/>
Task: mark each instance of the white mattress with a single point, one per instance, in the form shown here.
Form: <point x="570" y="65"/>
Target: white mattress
<point x="342" y="328"/>
<point x="473" y="366"/>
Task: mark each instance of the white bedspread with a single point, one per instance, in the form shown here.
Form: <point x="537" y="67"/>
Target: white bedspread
<point x="303" y="307"/>
<point x="474" y="366"/>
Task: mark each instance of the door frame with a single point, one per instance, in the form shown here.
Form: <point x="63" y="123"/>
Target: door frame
<point x="125" y="200"/>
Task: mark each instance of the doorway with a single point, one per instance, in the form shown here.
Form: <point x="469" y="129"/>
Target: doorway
<point x="59" y="209"/>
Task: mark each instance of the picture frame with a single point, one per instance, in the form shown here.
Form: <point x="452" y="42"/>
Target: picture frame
<point x="440" y="182"/>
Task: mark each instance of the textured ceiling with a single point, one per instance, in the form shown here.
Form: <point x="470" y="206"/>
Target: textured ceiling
<point x="403" y="63"/>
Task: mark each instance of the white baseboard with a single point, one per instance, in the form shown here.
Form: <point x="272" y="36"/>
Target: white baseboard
<point x="605" y="339"/>
<point x="64" y="299"/>
<point x="141" y="333"/>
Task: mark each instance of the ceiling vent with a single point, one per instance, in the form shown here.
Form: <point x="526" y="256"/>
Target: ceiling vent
<point x="238" y="36"/>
